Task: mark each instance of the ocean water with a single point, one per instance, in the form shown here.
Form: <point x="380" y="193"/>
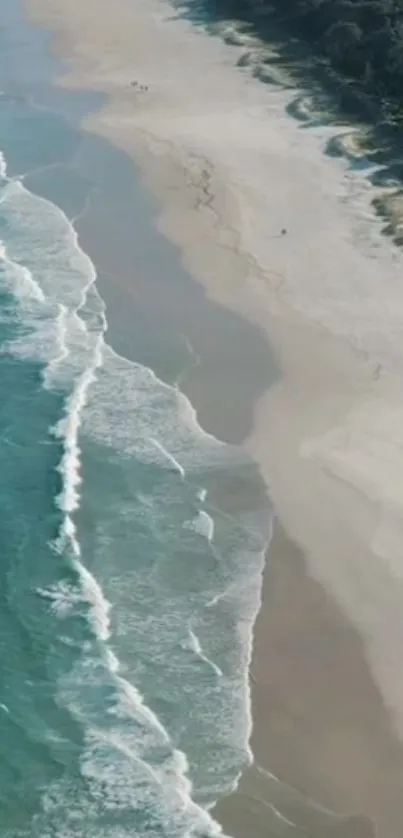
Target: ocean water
<point x="131" y="553"/>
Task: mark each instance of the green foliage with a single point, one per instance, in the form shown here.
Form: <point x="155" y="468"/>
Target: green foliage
<point x="362" y="39"/>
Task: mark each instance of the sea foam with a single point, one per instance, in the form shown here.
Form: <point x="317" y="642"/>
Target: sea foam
<point x="129" y="755"/>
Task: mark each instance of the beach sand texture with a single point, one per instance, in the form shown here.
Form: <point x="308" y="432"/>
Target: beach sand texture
<point x="231" y="169"/>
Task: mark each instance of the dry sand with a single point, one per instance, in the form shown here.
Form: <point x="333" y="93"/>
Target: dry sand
<point x="231" y="169"/>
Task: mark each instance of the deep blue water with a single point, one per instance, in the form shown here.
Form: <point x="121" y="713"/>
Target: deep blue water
<point x="130" y="553"/>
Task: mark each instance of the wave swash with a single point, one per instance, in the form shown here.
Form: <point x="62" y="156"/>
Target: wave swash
<point x="132" y="763"/>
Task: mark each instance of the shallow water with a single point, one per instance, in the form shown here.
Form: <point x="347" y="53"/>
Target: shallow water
<point x="131" y="549"/>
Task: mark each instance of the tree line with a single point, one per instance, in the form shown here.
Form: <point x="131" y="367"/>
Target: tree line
<point x="362" y="39"/>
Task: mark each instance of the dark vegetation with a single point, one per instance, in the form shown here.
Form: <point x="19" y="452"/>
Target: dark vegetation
<point x="362" y="39"/>
<point x="352" y="48"/>
<point x="346" y="59"/>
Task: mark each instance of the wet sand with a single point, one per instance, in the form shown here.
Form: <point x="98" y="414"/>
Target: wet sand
<point x="163" y="307"/>
<point x="327" y="692"/>
<point x="320" y="723"/>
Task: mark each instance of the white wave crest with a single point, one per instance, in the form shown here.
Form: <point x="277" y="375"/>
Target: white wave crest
<point x="3" y="167"/>
<point x="169" y="457"/>
<point x="68" y="430"/>
<point x="195" y="646"/>
<point x="93" y="595"/>
<point x="203" y="524"/>
<point x="45" y="264"/>
<point x="124" y="406"/>
<point x="19" y="278"/>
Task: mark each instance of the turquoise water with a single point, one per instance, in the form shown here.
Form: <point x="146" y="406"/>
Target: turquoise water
<point x="131" y="554"/>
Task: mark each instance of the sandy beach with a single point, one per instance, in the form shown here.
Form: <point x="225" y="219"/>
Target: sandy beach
<point x="229" y="169"/>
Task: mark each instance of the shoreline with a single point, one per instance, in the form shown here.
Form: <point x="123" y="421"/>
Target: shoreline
<point x="305" y="656"/>
<point x="310" y="400"/>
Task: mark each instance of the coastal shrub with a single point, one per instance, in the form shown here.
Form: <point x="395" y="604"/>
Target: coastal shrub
<point x="362" y="39"/>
